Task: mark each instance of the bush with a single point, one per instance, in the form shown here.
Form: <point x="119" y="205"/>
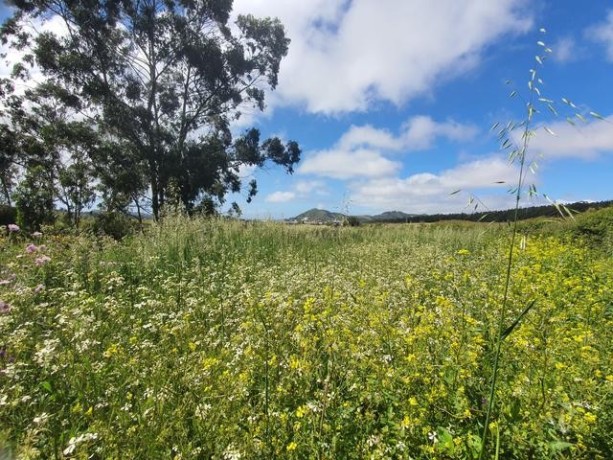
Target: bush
<point x="8" y="214"/>
<point x="113" y="224"/>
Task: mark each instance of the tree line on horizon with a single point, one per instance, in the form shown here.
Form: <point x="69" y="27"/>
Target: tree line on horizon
<point x="506" y="215"/>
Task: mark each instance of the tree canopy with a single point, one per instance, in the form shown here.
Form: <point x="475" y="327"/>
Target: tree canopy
<point x="139" y="96"/>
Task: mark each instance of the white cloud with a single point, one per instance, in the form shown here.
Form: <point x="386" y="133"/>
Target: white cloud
<point x="305" y="187"/>
<point x="428" y="192"/>
<point x="55" y="25"/>
<point x="417" y="133"/>
<point x="368" y="136"/>
<point x="360" y="152"/>
<point x="421" y="131"/>
<point x="565" y="50"/>
<point x="603" y="33"/>
<point x="280" y="197"/>
<point x="580" y="141"/>
<point x="343" y="164"/>
<point x="301" y="189"/>
<point x="345" y="55"/>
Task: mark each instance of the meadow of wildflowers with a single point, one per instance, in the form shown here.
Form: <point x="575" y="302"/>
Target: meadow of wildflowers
<point x="226" y="340"/>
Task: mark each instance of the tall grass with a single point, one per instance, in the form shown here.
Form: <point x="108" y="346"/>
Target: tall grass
<point x="223" y="339"/>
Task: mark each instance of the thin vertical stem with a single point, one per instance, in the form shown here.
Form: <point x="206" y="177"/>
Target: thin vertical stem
<point x="507" y="284"/>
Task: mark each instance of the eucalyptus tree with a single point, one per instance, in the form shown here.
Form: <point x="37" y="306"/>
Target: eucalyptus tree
<point x="164" y="80"/>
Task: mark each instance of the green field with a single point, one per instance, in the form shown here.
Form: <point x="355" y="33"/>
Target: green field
<point x="225" y="340"/>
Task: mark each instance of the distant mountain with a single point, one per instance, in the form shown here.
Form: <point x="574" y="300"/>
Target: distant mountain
<point x="323" y="216"/>
<point x="319" y="215"/>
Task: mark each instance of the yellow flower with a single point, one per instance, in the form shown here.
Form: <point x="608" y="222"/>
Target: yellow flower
<point x="292" y="446"/>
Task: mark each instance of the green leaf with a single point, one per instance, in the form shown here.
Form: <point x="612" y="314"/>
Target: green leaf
<point x="510" y="329"/>
<point x="46" y="386"/>
<point x="597" y="115"/>
<point x="559" y="446"/>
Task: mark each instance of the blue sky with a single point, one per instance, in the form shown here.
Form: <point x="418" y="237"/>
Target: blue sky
<point x="392" y="103"/>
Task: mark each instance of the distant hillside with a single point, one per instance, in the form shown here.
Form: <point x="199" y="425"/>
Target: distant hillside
<point x="319" y="215"/>
<point x="323" y="216"/>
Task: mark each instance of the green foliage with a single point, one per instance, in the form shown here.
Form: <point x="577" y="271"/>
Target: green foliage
<point x="34" y="199"/>
<point x="353" y="221"/>
<point x="595" y="225"/>
<point x="114" y="224"/>
<point x="8" y="215"/>
<point x="212" y="338"/>
<point x="160" y="84"/>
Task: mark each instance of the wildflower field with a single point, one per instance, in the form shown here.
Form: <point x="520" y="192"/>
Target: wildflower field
<point x="206" y="339"/>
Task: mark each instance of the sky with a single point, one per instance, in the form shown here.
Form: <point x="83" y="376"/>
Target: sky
<point x="392" y="102"/>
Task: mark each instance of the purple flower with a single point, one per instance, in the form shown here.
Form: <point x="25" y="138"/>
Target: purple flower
<point x="30" y="248"/>
<point x="42" y="260"/>
<point x="13" y="227"/>
<point x="5" y="308"/>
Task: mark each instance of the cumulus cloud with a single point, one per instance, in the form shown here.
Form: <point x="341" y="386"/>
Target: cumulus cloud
<point x="342" y="164"/>
<point x="429" y="192"/>
<point x="346" y="55"/>
<point x="565" y="50"/>
<point x="55" y="25"/>
<point x="579" y="141"/>
<point x="421" y="131"/>
<point x="300" y="189"/>
<point x="280" y="197"/>
<point x="360" y="152"/>
<point x="305" y="187"/>
<point x="369" y="136"/>
<point x="603" y="33"/>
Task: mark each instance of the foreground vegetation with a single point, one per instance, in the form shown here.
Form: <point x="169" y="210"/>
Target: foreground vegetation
<point x="226" y="340"/>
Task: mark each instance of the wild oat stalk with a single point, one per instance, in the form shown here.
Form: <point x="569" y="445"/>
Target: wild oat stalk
<point x="519" y="155"/>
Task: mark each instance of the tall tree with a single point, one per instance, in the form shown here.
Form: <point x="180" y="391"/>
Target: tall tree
<point x="164" y="79"/>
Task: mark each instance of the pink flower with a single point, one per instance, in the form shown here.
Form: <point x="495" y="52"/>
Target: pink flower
<point x="5" y="308"/>
<point x="30" y="248"/>
<point x="42" y="260"/>
<point x="13" y="227"/>
<point x="37" y="234"/>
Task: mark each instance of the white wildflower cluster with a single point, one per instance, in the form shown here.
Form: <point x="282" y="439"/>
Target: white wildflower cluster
<point x="74" y="442"/>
